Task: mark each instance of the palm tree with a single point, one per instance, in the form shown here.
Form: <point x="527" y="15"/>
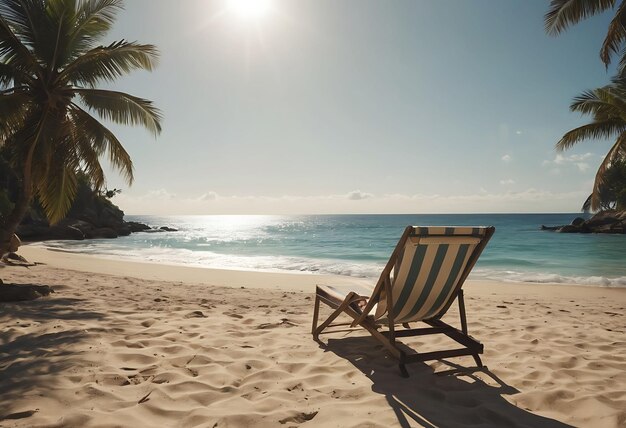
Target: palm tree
<point x="50" y="65"/>
<point x="563" y="13"/>
<point x="612" y="193"/>
<point x="607" y="106"/>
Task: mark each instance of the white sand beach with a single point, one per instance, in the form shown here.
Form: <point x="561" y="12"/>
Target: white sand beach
<point x="145" y="345"/>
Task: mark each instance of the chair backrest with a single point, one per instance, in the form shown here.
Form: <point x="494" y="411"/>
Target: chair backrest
<point x="429" y="269"/>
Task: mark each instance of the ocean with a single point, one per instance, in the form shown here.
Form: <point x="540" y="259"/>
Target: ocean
<point x="359" y="245"/>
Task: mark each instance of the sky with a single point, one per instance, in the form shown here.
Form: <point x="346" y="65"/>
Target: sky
<point x="359" y="106"/>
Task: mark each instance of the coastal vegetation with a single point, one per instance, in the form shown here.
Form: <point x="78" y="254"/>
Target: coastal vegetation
<point x="606" y="105"/>
<point x="612" y="194"/>
<point x="50" y="67"/>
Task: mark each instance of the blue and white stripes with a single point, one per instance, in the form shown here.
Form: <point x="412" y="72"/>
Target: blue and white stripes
<point x="428" y="270"/>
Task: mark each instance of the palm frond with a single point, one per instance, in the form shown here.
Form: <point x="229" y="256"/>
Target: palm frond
<point x="106" y="63"/>
<point x="593" y="102"/>
<point x="90" y="164"/>
<point x="13" y="110"/>
<point x="122" y="108"/>
<point x="94" y="19"/>
<point x="563" y="13"/>
<point x="40" y="25"/>
<point x="57" y="188"/>
<point x="615" y="35"/>
<point x="10" y="75"/>
<point x="603" y="103"/>
<point x="101" y="140"/>
<point x="595" y="130"/>
<point x="13" y="51"/>
<point x="621" y="66"/>
<point x="617" y="151"/>
<point x="587" y="204"/>
<point x="24" y="16"/>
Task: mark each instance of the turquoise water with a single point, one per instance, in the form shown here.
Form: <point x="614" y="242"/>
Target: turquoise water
<point x="359" y="245"/>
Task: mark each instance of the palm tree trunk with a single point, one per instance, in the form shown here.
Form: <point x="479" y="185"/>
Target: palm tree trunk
<point x="9" y="226"/>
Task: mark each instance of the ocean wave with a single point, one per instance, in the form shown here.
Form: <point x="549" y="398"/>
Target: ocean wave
<point x="267" y="263"/>
<point x="547" y="278"/>
<point x="208" y="259"/>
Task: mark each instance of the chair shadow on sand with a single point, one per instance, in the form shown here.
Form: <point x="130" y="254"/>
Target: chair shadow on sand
<point x="456" y="397"/>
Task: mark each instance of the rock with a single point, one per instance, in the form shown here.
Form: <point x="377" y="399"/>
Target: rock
<point x="602" y="218"/>
<point x="123" y="230"/>
<point x="32" y="232"/>
<point x="609" y="221"/>
<point x="111" y="217"/>
<point x="18" y="293"/>
<point x="137" y="227"/>
<point x="550" y="227"/>
<point x="81" y="225"/>
<point x="104" y="232"/>
<point x="568" y="229"/>
<point x="66" y="232"/>
<point x="168" y="229"/>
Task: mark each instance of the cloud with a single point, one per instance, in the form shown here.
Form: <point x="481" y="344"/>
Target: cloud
<point x="160" y="194"/>
<point x="507" y="182"/>
<point x="507" y="158"/>
<point x="579" y="161"/>
<point x="357" y="195"/>
<point x="161" y="202"/>
<point x="210" y="196"/>
<point x="518" y="132"/>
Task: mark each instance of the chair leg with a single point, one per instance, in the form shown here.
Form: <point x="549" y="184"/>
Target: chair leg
<point x="479" y="363"/>
<point x="332" y="317"/>
<point x="462" y="312"/>
<point x="316" y="312"/>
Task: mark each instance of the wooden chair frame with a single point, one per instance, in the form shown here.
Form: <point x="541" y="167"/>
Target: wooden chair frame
<point x="361" y="317"/>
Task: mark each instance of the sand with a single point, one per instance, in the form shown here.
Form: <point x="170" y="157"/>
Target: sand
<point x="144" y="345"/>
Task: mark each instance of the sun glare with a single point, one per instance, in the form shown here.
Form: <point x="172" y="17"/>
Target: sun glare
<point x="251" y="10"/>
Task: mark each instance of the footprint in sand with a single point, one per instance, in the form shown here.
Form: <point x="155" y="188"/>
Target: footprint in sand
<point x="148" y="323"/>
<point x="195" y="314"/>
<point x="296" y="387"/>
<point x="19" y="415"/>
<point x="233" y="315"/>
<point x="299" y="418"/>
<point x="283" y="322"/>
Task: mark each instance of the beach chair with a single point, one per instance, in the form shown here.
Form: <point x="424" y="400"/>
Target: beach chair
<point x="422" y="279"/>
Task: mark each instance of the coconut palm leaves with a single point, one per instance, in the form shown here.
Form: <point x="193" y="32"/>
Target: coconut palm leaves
<point x="50" y="66"/>
<point x="613" y="191"/>
<point x="564" y="13"/>
<point x="607" y="106"/>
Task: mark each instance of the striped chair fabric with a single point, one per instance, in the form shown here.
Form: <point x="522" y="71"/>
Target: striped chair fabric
<point x="428" y="270"/>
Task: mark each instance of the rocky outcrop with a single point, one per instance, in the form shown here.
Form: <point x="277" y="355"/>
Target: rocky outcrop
<point x="76" y="230"/>
<point x="91" y="217"/>
<point x="603" y="222"/>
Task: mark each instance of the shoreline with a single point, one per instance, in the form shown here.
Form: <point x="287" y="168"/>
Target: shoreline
<point x="183" y="274"/>
<point x="284" y="280"/>
<point x="137" y="344"/>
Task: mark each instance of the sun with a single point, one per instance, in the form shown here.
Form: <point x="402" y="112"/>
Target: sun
<point x="250" y="10"/>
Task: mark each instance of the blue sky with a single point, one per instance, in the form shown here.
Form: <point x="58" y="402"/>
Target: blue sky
<point x="359" y="106"/>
